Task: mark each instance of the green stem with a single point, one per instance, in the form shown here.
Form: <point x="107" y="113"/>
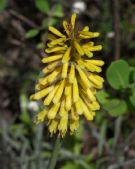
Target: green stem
<point x="55" y="152"/>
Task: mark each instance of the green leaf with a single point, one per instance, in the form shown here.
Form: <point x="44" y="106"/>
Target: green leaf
<point x="43" y="6"/>
<point x="102" y="96"/>
<point x="31" y="33"/>
<point x="48" y="22"/>
<point x="115" y="107"/>
<point x="2" y="5"/>
<point x="118" y="74"/>
<point x="132" y="74"/>
<point x="70" y="165"/>
<point x="58" y="12"/>
<point x="132" y="99"/>
<point x="40" y="46"/>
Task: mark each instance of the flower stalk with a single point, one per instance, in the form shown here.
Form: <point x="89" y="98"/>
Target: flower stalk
<point x="55" y="153"/>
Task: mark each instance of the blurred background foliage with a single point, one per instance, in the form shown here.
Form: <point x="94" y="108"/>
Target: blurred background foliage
<point x="108" y="142"/>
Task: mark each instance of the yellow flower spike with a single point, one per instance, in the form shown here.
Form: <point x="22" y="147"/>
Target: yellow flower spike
<point x="78" y="48"/>
<point x="70" y="80"/>
<point x="41" y="94"/>
<point x="64" y="70"/>
<point x="73" y="18"/>
<point x="50" y="96"/>
<point x="75" y="91"/>
<point x="51" y="58"/>
<point x="65" y="25"/>
<point x="56" y="31"/>
<point x="66" y="56"/>
<point x="53" y="111"/>
<point x="40" y="117"/>
<point x="59" y="92"/>
<point x="72" y="74"/>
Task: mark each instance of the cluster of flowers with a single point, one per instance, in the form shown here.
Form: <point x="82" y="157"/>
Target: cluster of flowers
<point x="68" y="88"/>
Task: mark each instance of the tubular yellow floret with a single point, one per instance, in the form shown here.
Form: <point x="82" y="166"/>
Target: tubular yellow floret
<point x="53" y="126"/>
<point x="74" y="115"/>
<point x="62" y="111"/>
<point x="50" y="67"/>
<point x="78" y="48"/>
<point x="68" y="102"/>
<point x="65" y="25"/>
<point x="96" y="62"/>
<point x="55" y="49"/>
<point x="40" y="117"/>
<point x="75" y="91"/>
<point x="86" y="111"/>
<point x="72" y="74"/>
<point x="83" y="77"/>
<point x="64" y="70"/>
<point x="73" y="18"/>
<point x="53" y="75"/>
<point x="96" y="48"/>
<point x="59" y="92"/>
<point x="42" y="93"/>
<point x="78" y="107"/>
<point x="50" y="96"/>
<point x="74" y="125"/>
<point x="86" y="28"/>
<point x="51" y="58"/>
<point x="66" y="56"/>
<point x="56" y="42"/>
<point x="56" y="31"/>
<point x="63" y="125"/>
<point x="53" y="111"/>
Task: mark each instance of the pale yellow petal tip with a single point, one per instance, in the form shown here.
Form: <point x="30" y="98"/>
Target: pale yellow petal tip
<point x="96" y="34"/>
<point x="100" y="47"/>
